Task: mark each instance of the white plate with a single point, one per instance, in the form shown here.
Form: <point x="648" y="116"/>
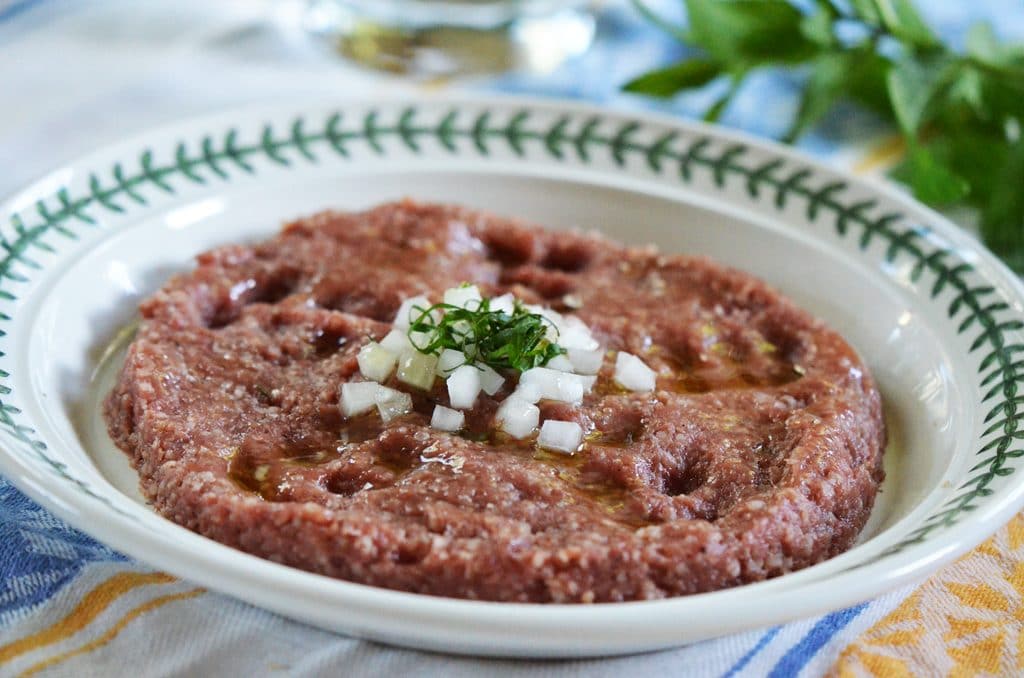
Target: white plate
<point x="936" y="317"/>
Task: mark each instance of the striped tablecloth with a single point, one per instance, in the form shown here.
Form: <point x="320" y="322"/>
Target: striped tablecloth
<point x="78" y="75"/>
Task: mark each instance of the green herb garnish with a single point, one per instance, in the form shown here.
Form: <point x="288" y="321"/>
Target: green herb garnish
<point x="503" y="341"/>
<point x="960" y="112"/>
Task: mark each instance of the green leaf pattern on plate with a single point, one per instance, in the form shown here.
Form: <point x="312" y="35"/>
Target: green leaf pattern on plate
<point x="978" y="309"/>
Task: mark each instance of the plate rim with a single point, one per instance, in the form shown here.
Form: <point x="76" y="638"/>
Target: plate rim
<point x="996" y="511"/>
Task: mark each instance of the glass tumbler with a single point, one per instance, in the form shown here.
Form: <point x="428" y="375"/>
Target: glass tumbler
<point x="450" y="37"/>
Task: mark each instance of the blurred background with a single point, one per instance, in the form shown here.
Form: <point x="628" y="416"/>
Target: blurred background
<point x="76" y="75"/>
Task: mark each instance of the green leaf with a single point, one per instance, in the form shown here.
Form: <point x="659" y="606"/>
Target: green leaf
<point x="867" y="10"/>
<point x="1002" y="218"/>
<point x="866" y="81"/>
<point x="913" y="84"/>
<point x="516" y="340"/>
<point x="931" y="181"/>
<point x="667" y="81"/>
<point x="978" y="154"/>
<point x="715" y="111"/>
<point x="824" y="87"/>
<point x="748" y="31"/>
<point x="997" y="60"/>
<point x="904" y="22"/>
<point x="966" y="89"/>
<point x="961" y="113"/>
<point x="1003" y="99"/>
<point x="817" y="26"/>
<point x="983" y="45"/>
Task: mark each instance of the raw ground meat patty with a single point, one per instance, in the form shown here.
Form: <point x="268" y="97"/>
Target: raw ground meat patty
<point x="759" y="452"/>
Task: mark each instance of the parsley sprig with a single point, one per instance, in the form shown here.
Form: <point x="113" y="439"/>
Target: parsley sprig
<point x="515" y="341"/>
<point x="960" y="112"/>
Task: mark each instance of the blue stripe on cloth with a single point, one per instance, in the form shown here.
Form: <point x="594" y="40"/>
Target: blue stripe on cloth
<point x="797" y="657"/>
<point x="38" y="553"/>
<point x="758" y="646"/>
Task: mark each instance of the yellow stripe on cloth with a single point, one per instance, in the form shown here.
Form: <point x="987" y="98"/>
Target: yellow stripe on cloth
<point x="966" y="620"/>
<point x="112" y="631"/>
<point x="91" y="606"/>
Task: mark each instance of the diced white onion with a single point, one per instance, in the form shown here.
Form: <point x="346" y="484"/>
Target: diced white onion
<point x="567" y="330"/>
<point x="490" y="380"/>
<point x="396" y="341"/>
<point x="467" y="296"/>
<point x="574" y="333"/>
<point x="447" y="419"/>
<point x="463" y="387"/>
<point x="417" y="369"/>
<point x="554" y="385"/>
<point x="585" y="361"/>
<point x="358" y="397"/>
<point x="537" y="309"/>
<point x="517" y="417"/>
<point x="376" y="362"/>
<point x="402" y="318"/>
<point x="543" y="379"/>
<point x="531" y="393"/>
<point x="560" y="363"/>
<point x="449" y="360"/>
<point x="561" y="436"/>
<point x="570" y="389"/>
<point x="420" y="339"/>
<point x="633" y="374"/>
<point x="392" y="403"/>
<point x="506" y="303"/>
